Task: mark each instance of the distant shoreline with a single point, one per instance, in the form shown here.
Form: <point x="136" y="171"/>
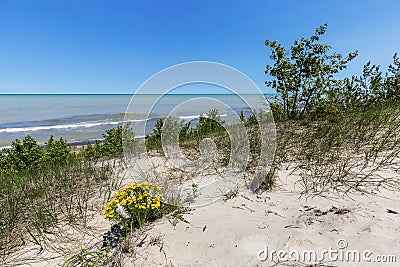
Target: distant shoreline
<point x="83" y="142"/>
<point x="80" y="143"/>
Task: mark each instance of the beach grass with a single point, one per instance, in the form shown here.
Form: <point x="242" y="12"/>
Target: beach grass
<point x="35" y="200"/>
<point x="345" y="152"/>
<point x="43" y="187"/>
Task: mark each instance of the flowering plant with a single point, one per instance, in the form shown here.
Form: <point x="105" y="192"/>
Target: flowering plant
<point x="135" y="204"/>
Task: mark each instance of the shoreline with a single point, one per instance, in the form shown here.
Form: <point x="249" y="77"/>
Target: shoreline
<point x="72" y="144"/>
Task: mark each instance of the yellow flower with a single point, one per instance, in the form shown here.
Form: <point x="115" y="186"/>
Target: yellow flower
<point x="139" y="196"/>
<point x="155" y="205"/>
<point x="133" y="186"/>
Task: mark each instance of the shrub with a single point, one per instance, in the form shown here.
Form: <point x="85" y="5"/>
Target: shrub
<point x="112" y="145"/>
<point x="28" y="154"/>
<point x="22" y="155"/>
<point x="55" y="150"/>
<point x="153" y="140"/>
<point x="211" y="123"/>
<point x="252" y="119"/>
<point x="92" y="151"/>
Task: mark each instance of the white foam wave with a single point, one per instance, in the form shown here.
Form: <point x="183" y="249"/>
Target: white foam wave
<point x="65" y="126"/>
<point x="84" y="125"/>
<point x="191" y="117"/>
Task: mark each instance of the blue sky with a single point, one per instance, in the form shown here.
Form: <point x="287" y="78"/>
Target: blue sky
<point x="114" y="46"/>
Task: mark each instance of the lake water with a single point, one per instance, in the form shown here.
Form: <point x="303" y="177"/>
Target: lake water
<point x="80" y="118"/>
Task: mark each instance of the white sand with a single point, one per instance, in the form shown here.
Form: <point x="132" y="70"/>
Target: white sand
<point x="232" y="232"/>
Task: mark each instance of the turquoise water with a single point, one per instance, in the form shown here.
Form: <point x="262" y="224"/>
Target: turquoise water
<point x="80" y="118"/>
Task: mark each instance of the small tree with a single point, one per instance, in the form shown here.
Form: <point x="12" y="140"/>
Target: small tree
<point x="304" y="77"/>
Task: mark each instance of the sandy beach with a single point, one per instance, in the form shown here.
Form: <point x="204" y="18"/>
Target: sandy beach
<point x="249" y="229"/>
<point x="232" y="232"/>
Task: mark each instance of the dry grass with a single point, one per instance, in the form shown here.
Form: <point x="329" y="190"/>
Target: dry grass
<point x="53" y="206"/>
<point x="347" y="153"/>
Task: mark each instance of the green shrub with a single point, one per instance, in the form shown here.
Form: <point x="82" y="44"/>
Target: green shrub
<point x="21" y="155"/>
<point x="153" y="140"/>
<point x="55" y="150"/>
<point x="112" y="144"/>
<point x="92" y="151"/>
<point x="211" y="123"/>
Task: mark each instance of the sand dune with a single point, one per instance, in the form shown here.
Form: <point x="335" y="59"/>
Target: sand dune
<point x="245" y="228"/>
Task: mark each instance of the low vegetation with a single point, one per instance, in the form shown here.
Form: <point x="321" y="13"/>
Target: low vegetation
<point x="339" y="134"/>
<point x="44" y="186"/>
<point x="349" y="152"/>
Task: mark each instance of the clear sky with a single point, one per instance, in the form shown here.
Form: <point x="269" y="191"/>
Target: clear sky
<point x="79" y="46"/>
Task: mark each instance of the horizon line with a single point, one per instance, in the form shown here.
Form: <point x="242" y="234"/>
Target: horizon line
<point x="126" y="94"/>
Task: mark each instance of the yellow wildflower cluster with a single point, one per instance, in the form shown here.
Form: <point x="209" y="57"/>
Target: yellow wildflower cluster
<point x="139" y="201"/>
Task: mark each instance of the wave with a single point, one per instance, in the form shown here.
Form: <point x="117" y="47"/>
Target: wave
<point x="65" y="126"/>
<point x="52" y="126"/>
<point x="189" y="117"/>
<point x="192" y="117"/>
